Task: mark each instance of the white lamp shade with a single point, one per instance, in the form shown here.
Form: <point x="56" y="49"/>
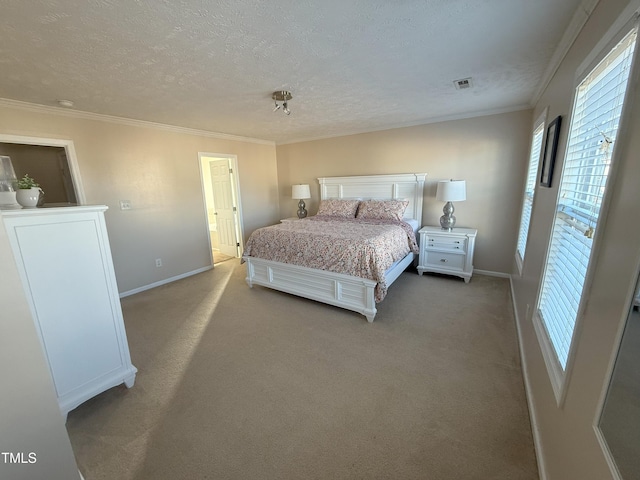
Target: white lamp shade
<point x="451" y="191"/>
<point x="300" y="191"/>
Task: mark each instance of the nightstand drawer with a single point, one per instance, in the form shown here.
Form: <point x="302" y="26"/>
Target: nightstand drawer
<point x="446" y="260"/>
<point x="441" y="242"/>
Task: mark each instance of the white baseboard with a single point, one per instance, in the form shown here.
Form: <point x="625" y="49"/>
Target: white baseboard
<point x="537" y="444"/>
<point x="492" y="274"/>
<point x="165" y="281"/>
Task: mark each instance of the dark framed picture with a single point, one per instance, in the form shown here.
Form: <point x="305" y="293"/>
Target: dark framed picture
<point x="550" y="150"/>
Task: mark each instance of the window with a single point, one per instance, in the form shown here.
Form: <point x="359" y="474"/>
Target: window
<point x="529" y="189"/>
<point x="592" y="136"/>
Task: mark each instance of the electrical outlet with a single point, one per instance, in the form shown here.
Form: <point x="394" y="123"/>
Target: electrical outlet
<point x="125" y="205"/>
<point x="158" y="262"/>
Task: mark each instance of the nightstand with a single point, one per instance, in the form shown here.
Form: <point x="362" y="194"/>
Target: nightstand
<point x="449" y="252"/>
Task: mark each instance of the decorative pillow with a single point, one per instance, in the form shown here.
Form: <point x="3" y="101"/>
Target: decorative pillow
<point x="383" y="209"/>
<point x="338" y="208"/>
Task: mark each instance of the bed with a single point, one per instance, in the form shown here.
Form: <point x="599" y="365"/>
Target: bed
<point x="347" y="291"/>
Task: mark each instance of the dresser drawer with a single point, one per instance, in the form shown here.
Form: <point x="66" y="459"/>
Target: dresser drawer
<point x="445" y="260"/>
<point x="442" y="242"/>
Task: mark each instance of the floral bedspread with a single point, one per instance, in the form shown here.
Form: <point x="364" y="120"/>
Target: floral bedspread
<point x="360" y="248"/>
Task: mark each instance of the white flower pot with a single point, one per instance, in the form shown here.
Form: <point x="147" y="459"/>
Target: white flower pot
<point x="28" y="198"/>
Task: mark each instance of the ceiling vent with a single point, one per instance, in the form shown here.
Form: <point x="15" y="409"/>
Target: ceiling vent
<point x="463" y="83"/>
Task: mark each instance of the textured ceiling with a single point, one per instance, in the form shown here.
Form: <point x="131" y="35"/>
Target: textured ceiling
<point x="351" y="65"/>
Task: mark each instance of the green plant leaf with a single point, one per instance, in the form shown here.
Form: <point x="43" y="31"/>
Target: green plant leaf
<point x="27" y="182"/>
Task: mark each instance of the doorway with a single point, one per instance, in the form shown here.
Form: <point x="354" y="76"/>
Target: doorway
<point x="220" y="186"/>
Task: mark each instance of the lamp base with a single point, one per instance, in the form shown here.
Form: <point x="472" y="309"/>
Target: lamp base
<point x="302" y="212"/>
<point x="448" y="220"/>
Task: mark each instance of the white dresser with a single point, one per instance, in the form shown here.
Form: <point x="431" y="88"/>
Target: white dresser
<point x="449" y="252"/>
<point x="65" y="264"/>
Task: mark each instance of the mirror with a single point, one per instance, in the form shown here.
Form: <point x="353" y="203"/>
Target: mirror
<point x="51" y="162"/>
<point x="620" y="418"/>
<point x="48" y="166"/>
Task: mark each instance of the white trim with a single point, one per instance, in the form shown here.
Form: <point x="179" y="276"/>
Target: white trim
<point x="528" y="389"/>
<point x="613" y="466"/>
<point x="614" y="34"/>
<point x="490" y="273"/>
<point x="579" y="19"/>
<point x="72" y="159"/>
<point x="206" y="208"/>
<point x="165" y="281"/>
<point x="417" y="123"/>
<point x="540" y="120"/>
<point x="233" y="159"/>
<point x="65" y="112"/>
<point x="519" y="262"/>
<point x="556" y="374"/>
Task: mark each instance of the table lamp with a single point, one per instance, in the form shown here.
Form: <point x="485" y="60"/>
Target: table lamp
<point x="300" y="192"/>
<point x="450" y="191"/>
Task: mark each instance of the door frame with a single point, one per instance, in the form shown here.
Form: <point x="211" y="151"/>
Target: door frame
<point x="235" y="192"/>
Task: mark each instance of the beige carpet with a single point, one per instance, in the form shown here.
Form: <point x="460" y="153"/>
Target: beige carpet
<point x="220" y="257"/>
<point x="240" y="383"/>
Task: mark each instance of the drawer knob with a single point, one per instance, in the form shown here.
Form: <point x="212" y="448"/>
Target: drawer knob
<point x="443" y="260"/>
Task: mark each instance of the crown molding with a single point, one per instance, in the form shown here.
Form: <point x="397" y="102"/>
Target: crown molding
<point x="65" y="112"/>
<point x="426" y="121"/>
<point x="580" y="17"/>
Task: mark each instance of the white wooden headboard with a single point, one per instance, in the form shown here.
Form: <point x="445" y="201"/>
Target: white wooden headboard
<point x="405" y="186"/>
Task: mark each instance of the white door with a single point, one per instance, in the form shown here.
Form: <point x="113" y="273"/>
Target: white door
<point x="225" y="210"/>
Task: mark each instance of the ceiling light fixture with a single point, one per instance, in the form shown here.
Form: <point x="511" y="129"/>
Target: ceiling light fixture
<point x="282" y="96"/>
<point x="65" y="103"/>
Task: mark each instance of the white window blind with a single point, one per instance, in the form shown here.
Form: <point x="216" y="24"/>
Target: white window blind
<point x="529" y="190"/>
<point x="595" y="119"/>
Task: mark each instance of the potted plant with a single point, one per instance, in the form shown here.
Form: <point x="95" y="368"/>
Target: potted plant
<point x="28" y="192"/>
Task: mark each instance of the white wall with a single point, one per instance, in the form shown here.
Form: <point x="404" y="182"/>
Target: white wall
<point x="568" y="447"/>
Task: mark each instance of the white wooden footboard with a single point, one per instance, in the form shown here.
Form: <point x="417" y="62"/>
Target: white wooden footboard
<point x="345" y="291"/>
<point x="351" y="293"/>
